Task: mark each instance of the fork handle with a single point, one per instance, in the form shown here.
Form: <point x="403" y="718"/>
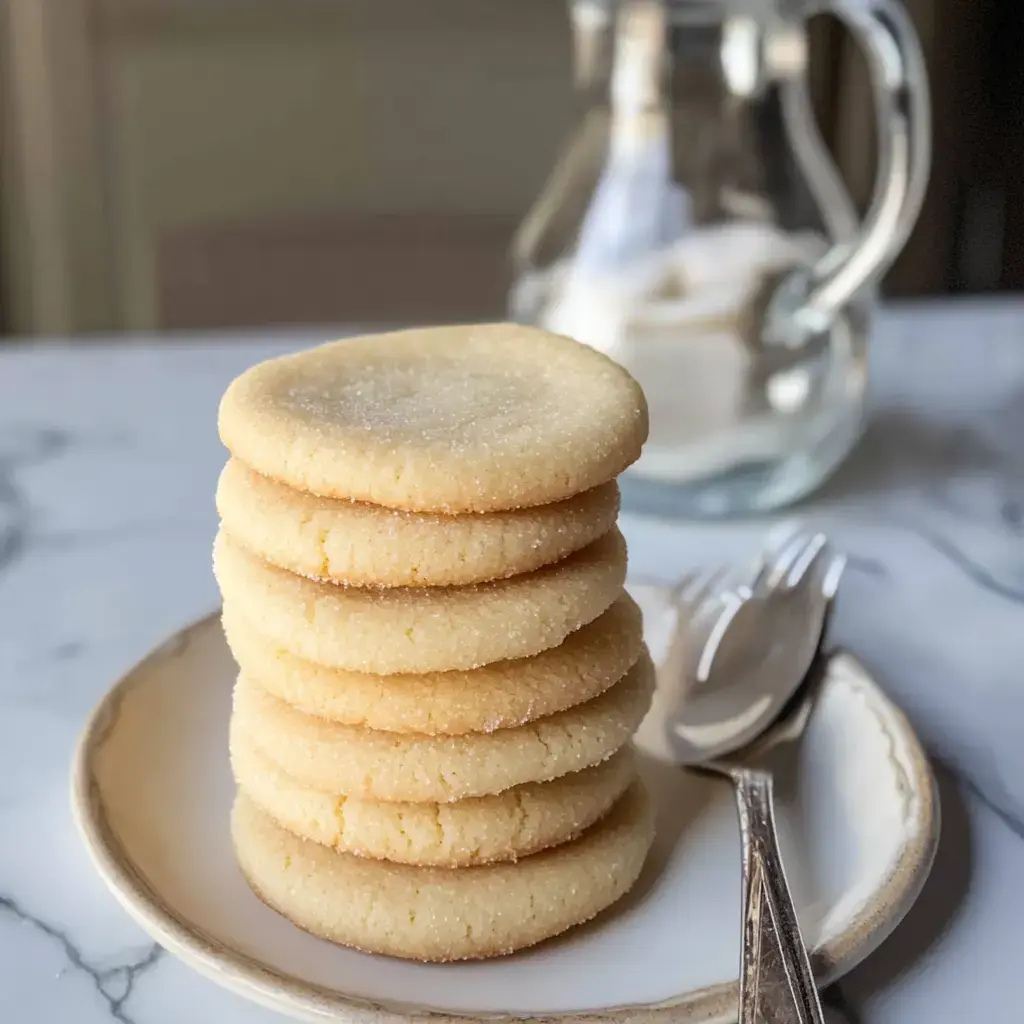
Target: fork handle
<point x="776" y="982"/>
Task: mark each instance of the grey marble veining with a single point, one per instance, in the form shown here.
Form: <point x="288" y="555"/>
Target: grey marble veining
<point x="108" y="461"/>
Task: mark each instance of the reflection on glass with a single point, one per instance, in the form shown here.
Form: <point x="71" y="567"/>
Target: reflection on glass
<point x="696" y="231"/>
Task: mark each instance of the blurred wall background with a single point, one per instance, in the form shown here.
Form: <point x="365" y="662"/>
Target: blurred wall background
<point x="169" y="164"/>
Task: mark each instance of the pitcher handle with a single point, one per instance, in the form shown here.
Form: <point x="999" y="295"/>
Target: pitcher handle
<point x="808" y="300"/>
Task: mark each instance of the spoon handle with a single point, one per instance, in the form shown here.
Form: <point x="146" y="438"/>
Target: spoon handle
<point x="776" y="983"/>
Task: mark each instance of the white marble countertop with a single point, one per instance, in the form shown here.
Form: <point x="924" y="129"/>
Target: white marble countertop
<point x="108" y="459"/>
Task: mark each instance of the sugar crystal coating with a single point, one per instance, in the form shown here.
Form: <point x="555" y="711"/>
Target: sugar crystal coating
<point x="499" y="695"/>
<point x="367" y="545"/>
<point x="476" y="418"/>
<point x="440" y="914"/>
<point x="416" y="629"/>
<point x="392" y="766"/>
<point x="480" y="830"/>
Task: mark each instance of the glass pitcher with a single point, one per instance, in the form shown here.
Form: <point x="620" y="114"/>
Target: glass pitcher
<point x="696" y="230"/>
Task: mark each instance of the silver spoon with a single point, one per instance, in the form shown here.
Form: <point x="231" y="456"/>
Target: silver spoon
<point x="749" y="688"/>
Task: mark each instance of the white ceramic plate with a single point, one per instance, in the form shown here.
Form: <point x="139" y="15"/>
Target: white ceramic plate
<point x="152" y="790"/>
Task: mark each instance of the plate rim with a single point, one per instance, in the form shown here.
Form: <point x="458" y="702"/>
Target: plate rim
<point x="870" y="925"/>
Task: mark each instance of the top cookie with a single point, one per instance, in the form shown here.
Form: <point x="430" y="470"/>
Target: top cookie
<point x="445" y="419"/>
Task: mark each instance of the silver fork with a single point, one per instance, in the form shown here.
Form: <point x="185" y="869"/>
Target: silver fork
<point x="757" y="645"/>
<point x="696" y="601"/>
<point x="710" y="605"/>
<point x="741" y="659"/>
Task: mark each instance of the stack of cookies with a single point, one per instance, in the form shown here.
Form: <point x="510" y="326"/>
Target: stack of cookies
<point x="440" y="671"/>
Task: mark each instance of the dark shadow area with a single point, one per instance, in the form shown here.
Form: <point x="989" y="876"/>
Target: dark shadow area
<point x="838" y="1007"/>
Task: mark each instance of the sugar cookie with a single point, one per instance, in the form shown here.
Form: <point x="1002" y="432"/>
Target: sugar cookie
<point x="439" y="914"/>
<point x="367" y="545"/>
<point x="495" y="696"/>
<point x="409" y="768"/>
<point x="421" y="629"/>
<point x="444" y="419"/>
<point x="479" y="830"/>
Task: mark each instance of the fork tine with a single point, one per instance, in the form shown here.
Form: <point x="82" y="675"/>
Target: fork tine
<point x="780" y="538"/>
<point x="803" y="564"/>
<point x="776" y="567"/>
<point x="833" y="574"/>
<point x="684" y="581"/>
<point x="731" y="604"/>
<point x="702" y="587"/>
